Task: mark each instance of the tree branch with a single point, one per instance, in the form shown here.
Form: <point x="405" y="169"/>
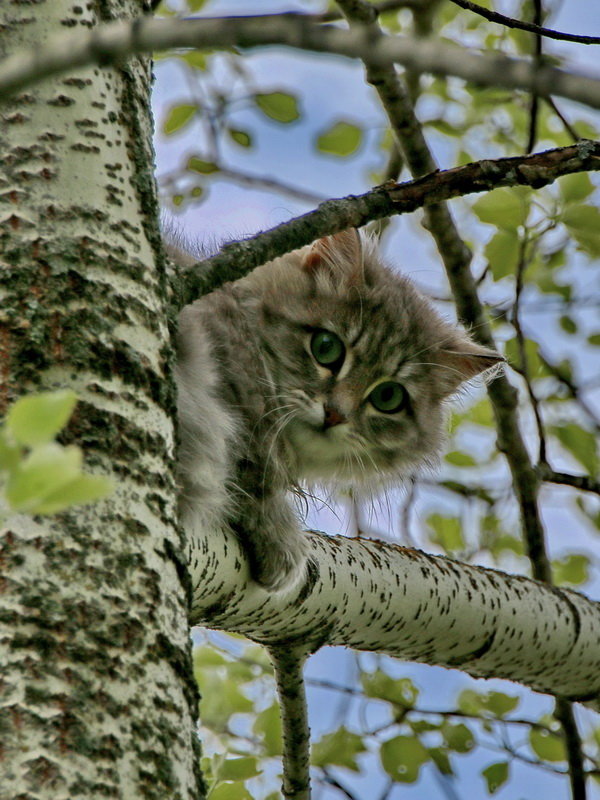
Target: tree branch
<point x="530" y="27"/>
<point x="288" y="663"/>
<point x="584" y="482"/>
<point x="426" y="608"/>
<point x="117" y="41"/>
<point x="239" y="258"/>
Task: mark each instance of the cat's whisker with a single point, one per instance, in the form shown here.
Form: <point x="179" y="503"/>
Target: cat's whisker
<point x="439" y="366"/>
<point x="444" y="340"/>
<point x="278" y="426"/>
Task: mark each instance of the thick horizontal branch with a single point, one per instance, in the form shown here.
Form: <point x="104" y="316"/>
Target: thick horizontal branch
<point x="380" y="597"/>
<point x="116" y="41"/>
<point x="238" y="258"/>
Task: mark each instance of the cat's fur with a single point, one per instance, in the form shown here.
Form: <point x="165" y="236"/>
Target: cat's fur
<point x="258" y="414"/>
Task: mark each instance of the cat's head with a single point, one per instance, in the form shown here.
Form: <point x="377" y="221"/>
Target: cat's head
<point x="362" y="362"/>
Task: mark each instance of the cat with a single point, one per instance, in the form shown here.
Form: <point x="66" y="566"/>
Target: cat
<point x="322" y="366"/>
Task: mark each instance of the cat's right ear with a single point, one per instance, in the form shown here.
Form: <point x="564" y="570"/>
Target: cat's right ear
<point x="340" y="252"/>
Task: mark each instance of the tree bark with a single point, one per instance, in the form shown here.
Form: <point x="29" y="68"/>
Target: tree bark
<point x="96" y="697"/>
<point x="380" y="597"/>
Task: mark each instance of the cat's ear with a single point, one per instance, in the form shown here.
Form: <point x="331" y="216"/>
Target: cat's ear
<point x="339" y="253"/>
<point x="463" y="359"/>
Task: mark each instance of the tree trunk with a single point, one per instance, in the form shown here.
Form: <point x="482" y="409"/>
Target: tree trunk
<point x="96" y="697"/>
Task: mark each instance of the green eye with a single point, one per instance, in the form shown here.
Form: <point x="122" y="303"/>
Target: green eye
<point x="328" y="349"/>
<point x="389" y="397"/>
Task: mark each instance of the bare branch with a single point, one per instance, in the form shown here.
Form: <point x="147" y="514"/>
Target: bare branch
<point x="584" y="482"/>
<point x="531" y="27"/>
<point x="117" y="41"/>
<point x="239" y="258"/>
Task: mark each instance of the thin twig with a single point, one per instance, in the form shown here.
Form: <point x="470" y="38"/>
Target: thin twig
<point x="509" y="22"/>
<point x="524" y="365"/>
<point x="584" y="482"/>
<point x="563" y="712"/>
<point x="246" y="179"/>
<point x="534" y="102"/>
<point x="568" y="127"/>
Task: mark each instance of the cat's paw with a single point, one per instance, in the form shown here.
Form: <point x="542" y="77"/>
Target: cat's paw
<point x="280" y="565"/>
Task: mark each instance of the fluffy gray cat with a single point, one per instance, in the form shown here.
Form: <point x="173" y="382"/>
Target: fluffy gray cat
<point x="322" y="366"/>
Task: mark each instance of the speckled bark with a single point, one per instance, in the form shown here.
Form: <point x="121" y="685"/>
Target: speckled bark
<point x="380" y="597"/>
<point x="95" y="697"/>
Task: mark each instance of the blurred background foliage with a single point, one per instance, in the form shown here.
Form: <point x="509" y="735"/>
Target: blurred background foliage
<point x="248" y="140"/>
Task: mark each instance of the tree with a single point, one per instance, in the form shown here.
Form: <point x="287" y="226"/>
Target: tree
<point x="95" y="597"/>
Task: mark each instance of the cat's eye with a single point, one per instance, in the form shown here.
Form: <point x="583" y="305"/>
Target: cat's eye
<point x="389" y="397"/>
<point x="327" y="349"/>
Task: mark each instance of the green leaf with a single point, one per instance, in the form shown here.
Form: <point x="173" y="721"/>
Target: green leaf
<point x="36" y="419"/>
<point x="572" y="569"/>
<point x="568" y="324"/>
<point x="178" y="117"/>
<point x="594" y="339"/>
<point x="230" y="791"/>
<point x="400" y="691"/>
<point x="502" y="253"/>
<point x="341" y="139"/>
<point x="441" y="759"/>
<point x="458" y="737"/>
<point x="196" y="5"/>
<point x="446" y="531"/>
<point x="10" y="454"/>
<point x="581" y="443"/>
<point x="196" y="164"/>
<point x="506" y="542"/>
<point x="44" y="471"/>
<point x="207" y="656"/>
<point x="280" y="106"/>
<point x="546" y="745"/>
<point x="499" y="704"/>
<point x="481" y="413"/>
<point x="239" y="769"/>
<point x="513" y="355"/>
<point x="505" y="208"/>
<point x="576" y="187"/>
<point x="221" y="698"/>
<point x="81" y="490"/>
<point x="402" y="758"/>
<point x="583" y="223"/>
<point x="460" y="459"/>
<point x="339" y="748"/>
<point x="496" y="704"/>
<point x="240" y="137"/>
<point x="495" y="775"/>
<point x="196" y="59"/>
<point x="268" y="726"/>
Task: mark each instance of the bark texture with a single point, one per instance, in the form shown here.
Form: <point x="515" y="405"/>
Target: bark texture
<point x="397" y="600"/>
<point x="95" y="698"/>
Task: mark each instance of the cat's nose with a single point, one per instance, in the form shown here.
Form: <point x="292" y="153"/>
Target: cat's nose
<point x="333" y="416"/>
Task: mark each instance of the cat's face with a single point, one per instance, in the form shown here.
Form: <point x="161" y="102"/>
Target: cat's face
<point x="361" y="362"/>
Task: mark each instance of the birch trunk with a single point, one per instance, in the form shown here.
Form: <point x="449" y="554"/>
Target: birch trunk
<point x="95" y="698"/>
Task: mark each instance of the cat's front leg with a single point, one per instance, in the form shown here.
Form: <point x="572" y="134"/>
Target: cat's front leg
<point x="276" y="547"/>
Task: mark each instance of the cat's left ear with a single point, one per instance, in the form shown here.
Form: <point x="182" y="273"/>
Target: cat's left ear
<point x="462" y="360"/>
<point x="340" y="253"/>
